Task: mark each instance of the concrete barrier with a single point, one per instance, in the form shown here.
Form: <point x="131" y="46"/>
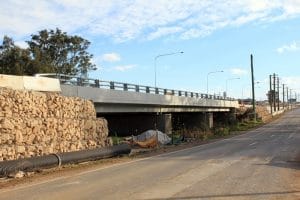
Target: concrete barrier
<point x="13" y="82"/>
<point x="30" y="83"/>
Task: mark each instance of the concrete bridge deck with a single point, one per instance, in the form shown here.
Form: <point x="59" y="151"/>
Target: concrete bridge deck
<point x="119" y="101"/>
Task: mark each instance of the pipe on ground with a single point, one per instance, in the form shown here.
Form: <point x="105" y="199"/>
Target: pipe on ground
<point x="48" y="161"/>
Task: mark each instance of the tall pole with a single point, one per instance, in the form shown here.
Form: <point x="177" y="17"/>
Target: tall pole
<point x="253" y="90"/>
<point x="283" y="96"/>
<point x="278" y="100"/>
<point x="274" y="91"/>
<point x="155" y="60"/>
<point x="287" y="97"/>
<point x="271" y="95"/>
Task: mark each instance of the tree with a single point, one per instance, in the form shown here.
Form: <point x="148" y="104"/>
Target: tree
<point x="49" y="51"/>
<point x="60" y="53"/>
<point x="13" y="59"/>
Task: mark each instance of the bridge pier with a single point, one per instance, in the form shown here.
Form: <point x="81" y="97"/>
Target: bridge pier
<point x="209" y="121"/>
<point x="165" y="123"/>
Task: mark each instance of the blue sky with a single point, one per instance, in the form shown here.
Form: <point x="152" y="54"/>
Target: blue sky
<point x="215" y="35"/>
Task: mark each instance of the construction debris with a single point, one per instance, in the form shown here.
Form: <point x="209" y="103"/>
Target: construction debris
<point x="151" y="138"/>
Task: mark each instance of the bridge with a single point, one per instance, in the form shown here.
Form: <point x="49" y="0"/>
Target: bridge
<point x="116" y="97"/>
<point x="152" y="107"/>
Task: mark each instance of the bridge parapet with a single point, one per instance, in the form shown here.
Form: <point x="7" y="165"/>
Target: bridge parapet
<point x="128" y="87"/>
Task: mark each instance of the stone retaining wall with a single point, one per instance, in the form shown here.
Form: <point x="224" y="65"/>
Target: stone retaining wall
<point x="35" y="123"/>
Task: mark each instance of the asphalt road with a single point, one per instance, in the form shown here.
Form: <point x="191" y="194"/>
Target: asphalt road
<point x="261" y="164"/>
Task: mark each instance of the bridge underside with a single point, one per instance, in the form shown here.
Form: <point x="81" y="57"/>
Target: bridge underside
<point x="126" y="124"/>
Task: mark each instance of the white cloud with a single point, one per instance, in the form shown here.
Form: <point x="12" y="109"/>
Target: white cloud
<point x="238" y="71"/>
<point x="111" y="57"/>
<point x="163" y="31"/>
<point x="123" y="68"/>
<point x="21" y="44"/>
<point x="294" y="46"/>
<point x="137" y="19"/>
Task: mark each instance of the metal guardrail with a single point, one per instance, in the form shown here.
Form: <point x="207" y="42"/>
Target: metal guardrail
<point x="78" y="81"/>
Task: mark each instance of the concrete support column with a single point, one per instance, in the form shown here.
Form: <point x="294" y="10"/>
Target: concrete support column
<point x="232" y="116"/>
<point x="209" y="119"/>
<point x="165" y="123"/>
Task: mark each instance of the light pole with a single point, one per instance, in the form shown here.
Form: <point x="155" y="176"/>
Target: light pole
<point x="230" y="80"/>
<point x="207" y="78"/>
<point x="161" y="55"/>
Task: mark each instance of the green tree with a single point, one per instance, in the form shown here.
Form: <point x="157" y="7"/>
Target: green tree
<point x="13" y="59"/>
<point x="49" y="51"/>
<point x="57" y="52"/>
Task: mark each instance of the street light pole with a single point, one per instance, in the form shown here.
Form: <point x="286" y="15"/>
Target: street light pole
<point x="207" y="79"/>
<point x="230" y="80"/>
<point x="161" y="55"/>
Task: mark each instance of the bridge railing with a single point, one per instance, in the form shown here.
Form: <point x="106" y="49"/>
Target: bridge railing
<point x="113" y="85"/>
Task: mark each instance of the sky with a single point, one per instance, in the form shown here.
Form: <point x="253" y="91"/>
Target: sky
<point x="215" y="35"/>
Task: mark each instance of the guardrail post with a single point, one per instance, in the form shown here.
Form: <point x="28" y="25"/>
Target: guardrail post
<point x="137" y="88"/>
<point x="197" y="95"/>
<point x="156" y="91"/>
<point x="112" y="85"/>
<point x="79" y="81"/>
<point x="147" y="89"/>
<point x="125" y="87"/>
<point x="173" y="92"/>
<point x="97" y="83"/>
<point x="192" y="94"/>
<point x="185" y="94"/>
<point x="179" y="93"/>
<point x="165" y="91"/>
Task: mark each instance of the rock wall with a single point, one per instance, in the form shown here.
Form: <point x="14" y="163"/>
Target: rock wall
<point x="36" y="123"/>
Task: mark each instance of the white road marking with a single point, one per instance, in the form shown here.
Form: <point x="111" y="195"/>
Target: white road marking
<point x="252" y="143"/>
<point x="291" y="135"/>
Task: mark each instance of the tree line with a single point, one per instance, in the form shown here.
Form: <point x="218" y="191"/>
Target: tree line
<point x="48" y="51"/>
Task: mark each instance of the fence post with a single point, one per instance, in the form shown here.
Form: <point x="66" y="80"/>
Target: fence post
<point x="97" y="83"/>
<point x="112" y="85"/>
<point x="125" y="87"/>
<point x="156" y="91"/>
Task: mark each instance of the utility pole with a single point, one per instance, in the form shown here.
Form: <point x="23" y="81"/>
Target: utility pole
<point x="278" y="100"/>
<point x="253" y="89"/>
<point x="271" y="95"/>
<point x="283" y="96"/>
<point x="274" y="91"/>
